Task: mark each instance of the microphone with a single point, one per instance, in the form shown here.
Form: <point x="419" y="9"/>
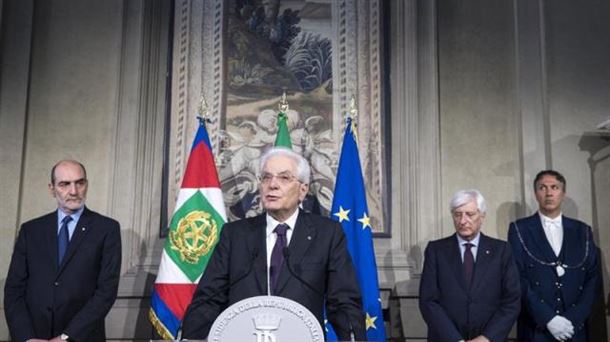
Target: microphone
<point x="228" y="286"/>
<point x="253" y="257"/>
<point x="286" y="253"/>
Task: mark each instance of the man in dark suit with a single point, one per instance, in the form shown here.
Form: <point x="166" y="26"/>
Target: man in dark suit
<point x="558" y="263"/>
<point x="469" y="289"/>
<point x="65" y="268"/>
<point x="251" y="257"/>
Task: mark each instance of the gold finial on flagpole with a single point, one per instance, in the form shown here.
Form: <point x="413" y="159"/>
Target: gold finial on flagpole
<point x="283" y="106"/>
<point x="353" y="114"/>
<point x="203" y="110"/>
<point x="353" y="111"/>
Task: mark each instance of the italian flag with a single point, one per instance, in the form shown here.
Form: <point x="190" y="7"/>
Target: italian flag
<point x="283" y="135"/>
<point x="193" y="233"/>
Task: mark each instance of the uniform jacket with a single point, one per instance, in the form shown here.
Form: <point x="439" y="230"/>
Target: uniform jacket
<point x="544" y="293"/>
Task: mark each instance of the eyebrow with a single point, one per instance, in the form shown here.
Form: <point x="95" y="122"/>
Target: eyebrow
<point x="72" y="181"/>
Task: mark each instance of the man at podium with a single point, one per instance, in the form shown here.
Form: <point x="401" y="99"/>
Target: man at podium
<point x="283" y="252"/>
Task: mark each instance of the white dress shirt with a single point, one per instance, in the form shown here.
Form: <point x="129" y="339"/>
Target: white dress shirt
<point x="71" y="224"/>
<point x="272" y="237"/>
<point x="473" y="249"/>
<point x="553" y="229"/>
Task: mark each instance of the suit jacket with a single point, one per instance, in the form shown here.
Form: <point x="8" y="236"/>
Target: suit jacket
<point x="544" y="294"/>
<point x="42" y="299"/>
<point x="318" y="254"/>
<point x="455" y="312"/>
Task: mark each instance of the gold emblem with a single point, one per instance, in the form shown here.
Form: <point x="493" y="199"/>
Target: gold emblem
<point x="195" y="236"/>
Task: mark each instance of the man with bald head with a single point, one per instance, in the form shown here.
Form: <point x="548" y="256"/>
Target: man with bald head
<point x="64" y="272"/>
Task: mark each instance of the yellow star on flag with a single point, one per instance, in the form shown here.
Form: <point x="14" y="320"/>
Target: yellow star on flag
<point x="370" y="321"/>
<point x="365" y="220"/>
<point x="342" y="214"/>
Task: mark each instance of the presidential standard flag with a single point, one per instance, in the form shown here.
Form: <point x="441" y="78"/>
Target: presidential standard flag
<point x="193" y="233"/>
<point x="350" y="209"/>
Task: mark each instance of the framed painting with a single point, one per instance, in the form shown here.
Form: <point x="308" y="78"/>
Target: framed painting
<point x="244" y="56"/>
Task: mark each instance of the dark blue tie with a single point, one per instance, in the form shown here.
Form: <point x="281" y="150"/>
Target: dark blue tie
<point x="63" y="239"/>
<point x="277" y="255"/>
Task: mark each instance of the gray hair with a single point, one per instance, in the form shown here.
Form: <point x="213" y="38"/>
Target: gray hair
<point x="303" y="169"/>
<point x="464" y="196"/>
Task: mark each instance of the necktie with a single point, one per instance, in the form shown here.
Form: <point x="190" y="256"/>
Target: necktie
<point x="468" y="263"/>
<point x="63" y="239"/>
<point x="277" y="255"/>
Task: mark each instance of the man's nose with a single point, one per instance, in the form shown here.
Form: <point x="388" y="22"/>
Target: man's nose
<point x="274" y="183"/>
<point x="72" y="188"/>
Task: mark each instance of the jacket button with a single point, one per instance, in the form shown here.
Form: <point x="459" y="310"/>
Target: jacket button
<point x="536" y="283"/>
<point x="557" y="311"/>
<point x="56" y="283"/>
<point x="542" y="301"/>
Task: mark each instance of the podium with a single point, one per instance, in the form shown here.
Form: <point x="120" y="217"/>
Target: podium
<point x="266" y="319"/>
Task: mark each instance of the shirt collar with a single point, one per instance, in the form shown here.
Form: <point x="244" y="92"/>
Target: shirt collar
<point x="290" y="222"/>
<point x="75" y="216"/>
<point x="474" y="241"/>
<point x="547" y="220"/>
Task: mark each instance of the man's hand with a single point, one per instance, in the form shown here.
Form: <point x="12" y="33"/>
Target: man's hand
<point x="479" y="338"/>
<point x="37" y="340"/>
<point x="561" y="328"/>
<point x="56" y="339"/>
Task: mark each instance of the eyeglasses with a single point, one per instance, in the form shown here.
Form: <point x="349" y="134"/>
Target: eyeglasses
<point x="470" y="215"/>
<point x="283" y="178"/>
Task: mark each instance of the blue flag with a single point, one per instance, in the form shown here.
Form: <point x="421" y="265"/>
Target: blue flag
<point x="350" y="209"/>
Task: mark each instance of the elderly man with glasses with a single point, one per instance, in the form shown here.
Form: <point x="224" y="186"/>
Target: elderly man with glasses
<point x="258" y="256"/>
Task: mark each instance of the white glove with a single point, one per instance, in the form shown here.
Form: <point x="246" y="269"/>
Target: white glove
<point x="561" y="328"/>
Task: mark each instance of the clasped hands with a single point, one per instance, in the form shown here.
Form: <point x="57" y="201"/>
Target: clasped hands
<point x="561" y="328"/>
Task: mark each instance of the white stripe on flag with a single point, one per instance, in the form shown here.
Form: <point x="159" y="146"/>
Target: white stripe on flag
<point x="183" y="196"/>
<point x="214" y="196"/>
<point x="170" y="273"/>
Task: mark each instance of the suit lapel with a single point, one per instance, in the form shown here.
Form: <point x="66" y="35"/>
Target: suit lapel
<point x="50" y="238"/>
<point x="80" y="231"/>
<point x="453" y="257"/>
<point x="257" y="242"/>
<point x="571" y="253"/>
<point x="302" y="237"/>
<point x="485" y="255"/>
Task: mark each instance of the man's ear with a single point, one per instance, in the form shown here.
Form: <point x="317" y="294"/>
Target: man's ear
<point x="51" y="189"/>
<point x="303" y="190"/>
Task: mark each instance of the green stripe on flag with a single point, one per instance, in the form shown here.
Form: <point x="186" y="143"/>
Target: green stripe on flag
<point x="193" y="234"/>
<point x="283" y="136"/>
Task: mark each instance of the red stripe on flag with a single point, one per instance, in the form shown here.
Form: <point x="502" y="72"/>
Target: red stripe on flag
<point x="200" y="169"/>
<point x="177" y="297"/>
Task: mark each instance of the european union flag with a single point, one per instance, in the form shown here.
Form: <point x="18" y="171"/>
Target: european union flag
<point x="350" y="209"/>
